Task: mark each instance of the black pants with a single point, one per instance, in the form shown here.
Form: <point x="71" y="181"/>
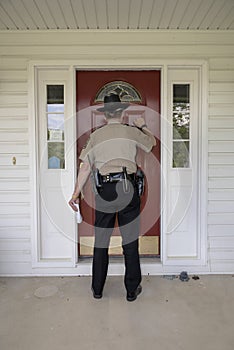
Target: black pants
<point x="114" y="200"/>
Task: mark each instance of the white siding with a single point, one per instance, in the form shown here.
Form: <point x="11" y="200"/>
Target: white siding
<point x="221" y="165"/>
<point x="16" y="49"/>
<point x="15" y="231"/>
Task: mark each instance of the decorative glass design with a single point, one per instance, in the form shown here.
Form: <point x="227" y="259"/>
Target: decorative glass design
<point x="181" y="126"/>
<point x="55" y="126"/>
<point x="126" y="92"/>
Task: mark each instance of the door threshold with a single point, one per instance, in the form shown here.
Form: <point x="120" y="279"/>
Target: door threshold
<point x="120" y="259"/>
<point x="148" y="246"/>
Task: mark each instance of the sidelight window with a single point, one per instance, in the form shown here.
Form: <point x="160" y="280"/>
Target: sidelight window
<point x="181" y="126"/>
<point x="55" y="126"/>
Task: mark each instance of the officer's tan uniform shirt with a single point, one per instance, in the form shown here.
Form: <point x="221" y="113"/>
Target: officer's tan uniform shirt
<point x="114" y="146"/>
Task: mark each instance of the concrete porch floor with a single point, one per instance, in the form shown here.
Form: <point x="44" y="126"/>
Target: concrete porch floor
<point x="55" y="313"/>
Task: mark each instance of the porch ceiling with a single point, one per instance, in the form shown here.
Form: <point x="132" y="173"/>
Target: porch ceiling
<point x="116" y="14"/>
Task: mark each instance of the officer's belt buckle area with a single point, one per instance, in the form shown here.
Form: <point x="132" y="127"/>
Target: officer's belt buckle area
<point x="115" y="177"/>
<point x="112" y="178"/>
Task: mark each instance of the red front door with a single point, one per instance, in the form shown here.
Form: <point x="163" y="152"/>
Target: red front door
<point x="147" y="85"/>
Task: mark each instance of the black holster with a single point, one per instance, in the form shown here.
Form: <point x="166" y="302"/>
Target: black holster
<point x="98" y="179"/>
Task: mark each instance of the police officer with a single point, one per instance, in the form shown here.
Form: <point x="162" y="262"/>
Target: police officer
<point x="112" y="150"/>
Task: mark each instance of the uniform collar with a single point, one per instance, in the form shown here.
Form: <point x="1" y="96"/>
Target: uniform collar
<point x="115" y="121"/>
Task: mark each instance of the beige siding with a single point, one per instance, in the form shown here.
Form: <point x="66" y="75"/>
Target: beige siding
<point x="15" y="232"/>
<point x="221" y="165"/>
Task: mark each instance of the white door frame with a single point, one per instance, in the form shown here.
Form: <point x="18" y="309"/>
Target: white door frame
<point x="155" y="267"/>
<point x="38" y="261"/>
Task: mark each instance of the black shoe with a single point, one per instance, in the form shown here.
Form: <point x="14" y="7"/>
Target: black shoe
<point x="132" y="296"/>
<point x="96" y="296"/>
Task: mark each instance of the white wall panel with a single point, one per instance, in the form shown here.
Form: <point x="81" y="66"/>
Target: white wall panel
<point x="13" y="135"/>
<point x="218" y="218"/>
<point x="221" y="170"/>
<point x="222" y="75"/>
<point x="221" y="159"/>
<point x="221" y="109"/>
<point x="20" y="147"/>
<point x="225" y="87"/>
<point x="218" y="194"/>
<point x="221" y="146"/>
<point x="13" y="86"/>
<point x="11" y="122"/>
<point x="20" y="196"/>
<point x="221" y="97"/>
<point x="221" y="183"/>
<point x="224" y="63"/>
<point x="9" y="98"/>
<point x="14" y="109"/>
<point x="16" y="184"/>
<point x="12" y="245"/>
<point x="221" y="206"/>
<point x="219" y="120"/>
<point x="18" y="208"/>
<point x="10" y="63"/>
<point x="14" y="258"/>
<point x="13" y="75"/>
<point x="220" y="135"/>
<point x="224" y="229"/>
<point x="15" y="232"/>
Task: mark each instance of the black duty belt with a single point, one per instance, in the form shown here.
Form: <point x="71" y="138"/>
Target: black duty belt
<point x="116" y="177"/>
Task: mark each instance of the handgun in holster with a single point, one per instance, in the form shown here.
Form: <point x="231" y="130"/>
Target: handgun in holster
<point x="97" y="179"/>
<point x="125" y="182"/>
<point x="140" y="181"/>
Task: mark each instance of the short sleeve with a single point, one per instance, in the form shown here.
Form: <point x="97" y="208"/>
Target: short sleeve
<point x="87" y="151"/>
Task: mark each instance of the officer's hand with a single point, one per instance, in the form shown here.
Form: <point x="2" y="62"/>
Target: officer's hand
<point x="139" y="122"/>
<point x="73" y="203"/>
